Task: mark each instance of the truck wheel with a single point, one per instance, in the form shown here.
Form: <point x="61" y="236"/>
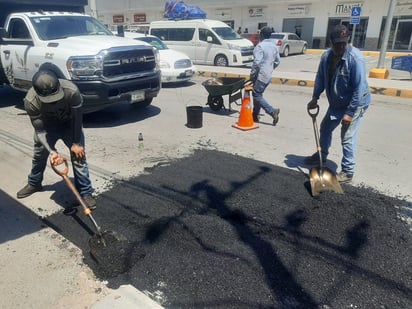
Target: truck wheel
<point x="221" y="61"/>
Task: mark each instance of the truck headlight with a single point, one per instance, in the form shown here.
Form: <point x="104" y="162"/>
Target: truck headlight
<point x="85" y="67"/>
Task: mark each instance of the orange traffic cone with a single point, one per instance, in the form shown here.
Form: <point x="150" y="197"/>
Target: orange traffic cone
<point x="245" y="121"/>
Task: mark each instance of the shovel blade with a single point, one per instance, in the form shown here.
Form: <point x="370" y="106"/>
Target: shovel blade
<point x="323" y="179"/>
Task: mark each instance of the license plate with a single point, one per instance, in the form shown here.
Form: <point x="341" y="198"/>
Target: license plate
<point x="136" y="96"/>
<point x="188" y="72"/>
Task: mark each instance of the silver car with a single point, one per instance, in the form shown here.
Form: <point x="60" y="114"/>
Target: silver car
<point x="289" y="43"/>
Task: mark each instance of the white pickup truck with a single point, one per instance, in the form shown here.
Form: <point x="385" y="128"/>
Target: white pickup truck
<point x="107" y="69"/>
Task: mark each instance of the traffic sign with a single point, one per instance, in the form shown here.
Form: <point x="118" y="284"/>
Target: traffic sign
<point x="355" y="15"/>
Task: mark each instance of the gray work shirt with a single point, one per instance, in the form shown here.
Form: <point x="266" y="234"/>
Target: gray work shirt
<point x="266" y="57"/>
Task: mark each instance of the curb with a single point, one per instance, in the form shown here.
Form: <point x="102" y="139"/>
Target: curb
<point x="364" y="52"/>
<point x="388" y="91"/>
<point x="126" y="297"/>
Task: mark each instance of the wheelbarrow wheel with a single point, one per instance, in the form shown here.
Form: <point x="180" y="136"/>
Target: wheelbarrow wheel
<point x="215" y="103"/>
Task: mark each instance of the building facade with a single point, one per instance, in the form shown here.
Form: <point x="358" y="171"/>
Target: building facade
<point x="312" y="20"/>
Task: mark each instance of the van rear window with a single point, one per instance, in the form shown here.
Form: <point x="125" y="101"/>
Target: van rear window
<point x="173" y="34"/>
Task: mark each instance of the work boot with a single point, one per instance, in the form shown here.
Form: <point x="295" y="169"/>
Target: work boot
<point x="28" y="190"/>
<point x="314" y="159"/>
<point x="275" y="115"/>
<point x="343" y="177"/>
<point x="255" y="117"/>
<point x="89" y="201"/>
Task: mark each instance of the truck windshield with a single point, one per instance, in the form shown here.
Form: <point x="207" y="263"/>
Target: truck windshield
<point x="59" y="26"/>
<point x="227" y="33"/>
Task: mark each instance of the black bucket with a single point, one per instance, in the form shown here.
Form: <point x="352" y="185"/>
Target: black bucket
<point x="194" y="116"/>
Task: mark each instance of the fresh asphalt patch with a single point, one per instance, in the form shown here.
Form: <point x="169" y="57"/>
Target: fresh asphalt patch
<point x="216" y="230"/>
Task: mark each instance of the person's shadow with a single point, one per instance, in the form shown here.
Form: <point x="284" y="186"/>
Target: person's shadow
<point x="295" y="161"/>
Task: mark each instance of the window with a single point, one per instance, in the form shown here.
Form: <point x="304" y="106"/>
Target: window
<point x="293" y="37"/>
<point x="174" y="34"/>
<point x="204" y="33"/>
<point x="18" y="29"/>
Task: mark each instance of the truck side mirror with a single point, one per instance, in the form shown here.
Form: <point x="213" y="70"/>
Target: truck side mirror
<point x="3" y="33"/>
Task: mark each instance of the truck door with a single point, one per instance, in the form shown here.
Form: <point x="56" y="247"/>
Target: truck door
<point x="15" y="55"/>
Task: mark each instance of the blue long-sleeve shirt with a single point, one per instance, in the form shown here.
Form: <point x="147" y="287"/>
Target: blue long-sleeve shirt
<point x="348" y="88"/>
<point x="266" y="57"/>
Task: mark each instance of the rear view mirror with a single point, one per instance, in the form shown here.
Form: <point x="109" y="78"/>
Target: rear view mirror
<point x="3" y="33"/>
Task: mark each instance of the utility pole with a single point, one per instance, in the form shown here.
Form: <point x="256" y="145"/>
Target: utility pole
<point x="388" y="24"/>
<point x="380" y="71"/>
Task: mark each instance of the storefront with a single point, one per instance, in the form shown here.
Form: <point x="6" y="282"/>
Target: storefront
<point x="400" y="35"/>
<point x="312" y="20"/>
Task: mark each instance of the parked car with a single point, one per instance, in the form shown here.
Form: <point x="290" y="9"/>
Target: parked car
<point x="174" y="65"/>
<point x="253" y="37"/>
<point x="289" y="43"/>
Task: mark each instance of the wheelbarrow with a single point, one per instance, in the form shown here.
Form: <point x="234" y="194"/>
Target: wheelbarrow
<point x="321" y="178"/>
<point x="218" y="87"/>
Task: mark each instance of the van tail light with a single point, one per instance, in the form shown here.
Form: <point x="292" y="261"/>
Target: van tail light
<point x="279" y="43"/>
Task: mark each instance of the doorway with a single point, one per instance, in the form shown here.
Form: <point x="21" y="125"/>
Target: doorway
<point x="400" y="34"/>
<point x="302" y="27"/>
<point x="403" y="35"/>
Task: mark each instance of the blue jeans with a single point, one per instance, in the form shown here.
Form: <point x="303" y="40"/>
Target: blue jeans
<point x="349" y="136"/>
<point x="258" y="100"/>
<point x="41" y="155"/>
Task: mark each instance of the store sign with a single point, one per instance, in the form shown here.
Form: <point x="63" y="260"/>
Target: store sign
<point x="256" y="12"/>
<point x="345" y="8"/>
<point x="118" y="19"/>
<point x="298" y="10"/>
<point x="139" y="18"/>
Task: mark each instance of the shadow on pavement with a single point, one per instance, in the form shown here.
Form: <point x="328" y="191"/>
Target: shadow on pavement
<point x="16" y="220"/>
<point x="219" y="230"/>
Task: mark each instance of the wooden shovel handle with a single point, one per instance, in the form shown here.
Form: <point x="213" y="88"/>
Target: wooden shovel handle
<point x="62" y="171"/>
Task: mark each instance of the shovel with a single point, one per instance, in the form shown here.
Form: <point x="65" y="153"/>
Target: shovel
<point x="321" y="178"/>
<point x="102" y="244"/>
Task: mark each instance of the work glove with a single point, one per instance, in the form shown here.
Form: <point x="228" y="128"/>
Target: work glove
<point x="313" y="104"/>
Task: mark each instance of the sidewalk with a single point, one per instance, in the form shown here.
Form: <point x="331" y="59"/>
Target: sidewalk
<point x="398" y="84"/>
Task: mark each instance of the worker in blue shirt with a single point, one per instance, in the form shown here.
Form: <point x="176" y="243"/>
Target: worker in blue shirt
<point x="266" y="59"/>
<point x="342" y="75"/>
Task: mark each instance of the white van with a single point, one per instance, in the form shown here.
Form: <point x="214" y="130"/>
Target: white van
<point x="205" y="41"/>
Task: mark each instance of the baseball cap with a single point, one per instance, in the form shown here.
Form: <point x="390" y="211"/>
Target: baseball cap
<point x="265" y="32"/>
<point x="47" y="86"/>
<point x="339" y="34"/>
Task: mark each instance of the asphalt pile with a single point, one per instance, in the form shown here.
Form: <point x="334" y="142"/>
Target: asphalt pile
<point x="216" y="230"/>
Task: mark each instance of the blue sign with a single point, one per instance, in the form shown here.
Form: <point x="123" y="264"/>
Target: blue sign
<point x="355" y="15"/>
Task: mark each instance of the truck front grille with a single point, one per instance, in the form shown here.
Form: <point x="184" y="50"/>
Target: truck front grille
<point x="131" y="60"/>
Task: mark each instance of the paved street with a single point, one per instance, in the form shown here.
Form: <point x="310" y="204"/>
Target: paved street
<point x="49" y="271"/>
